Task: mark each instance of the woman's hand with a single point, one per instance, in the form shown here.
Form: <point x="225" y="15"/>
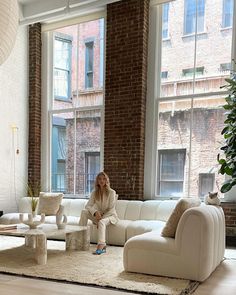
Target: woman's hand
<point x="98" y="215"/>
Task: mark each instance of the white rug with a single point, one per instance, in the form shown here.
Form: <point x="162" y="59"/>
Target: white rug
<point x="82" y="267"/>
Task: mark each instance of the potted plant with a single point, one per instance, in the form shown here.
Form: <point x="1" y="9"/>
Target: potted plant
<point x="33" y="191"/>
<point x="227" y="161"/>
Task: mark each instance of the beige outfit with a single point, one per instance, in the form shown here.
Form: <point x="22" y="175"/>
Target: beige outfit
<point x="106" y="207"/>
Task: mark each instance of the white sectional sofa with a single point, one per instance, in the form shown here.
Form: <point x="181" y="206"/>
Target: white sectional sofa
<point x="136" y="217"/>
<point x="194" y="253"/>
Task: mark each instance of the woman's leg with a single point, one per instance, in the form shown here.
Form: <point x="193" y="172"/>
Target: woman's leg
<point x="102" y="232"/>
<point x="85" y="215"/>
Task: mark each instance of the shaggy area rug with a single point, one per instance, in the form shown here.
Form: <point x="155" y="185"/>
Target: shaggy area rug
<point x="82" y="267"/>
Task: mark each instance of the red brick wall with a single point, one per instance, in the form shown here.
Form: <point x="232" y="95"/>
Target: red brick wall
<point x="125" y="96"/>
<point x="34" y="144"/>
<point x="230" y="217"/>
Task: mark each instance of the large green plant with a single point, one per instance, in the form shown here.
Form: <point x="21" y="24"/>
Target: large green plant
<point x="228" y="160"/>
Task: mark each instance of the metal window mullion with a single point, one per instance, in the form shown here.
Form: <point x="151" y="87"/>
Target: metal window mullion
<point x="75" y="151"/>
<point x="188" y="96"/>
<point x="191" y="113"/>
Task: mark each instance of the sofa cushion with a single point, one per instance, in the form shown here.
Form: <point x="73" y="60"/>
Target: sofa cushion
<point x="172" y="223"/>
<point x="49" y="203"/>
<point x="139" y="227"/>
<point x="9" y="218"/>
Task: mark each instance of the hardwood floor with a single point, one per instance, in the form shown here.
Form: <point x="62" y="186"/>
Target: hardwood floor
<point x="221" y="281"/>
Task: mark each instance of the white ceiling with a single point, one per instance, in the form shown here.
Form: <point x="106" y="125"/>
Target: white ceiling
<point x="47" y="10"/>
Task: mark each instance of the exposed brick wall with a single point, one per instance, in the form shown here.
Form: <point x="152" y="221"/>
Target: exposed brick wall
<point x="230" y="217"/>
<point x="125" y="96"/>
<point x="34" y="144"/>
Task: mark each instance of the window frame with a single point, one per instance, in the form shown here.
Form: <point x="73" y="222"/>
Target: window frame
<point x="154" y="98"/>
<point x="47" y="92"/>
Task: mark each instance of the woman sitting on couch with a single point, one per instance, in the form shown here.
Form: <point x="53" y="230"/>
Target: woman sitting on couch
<point x="100" y="209"/>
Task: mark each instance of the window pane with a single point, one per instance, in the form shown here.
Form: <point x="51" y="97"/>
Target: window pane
<point x="88" y="130"/>
<point x="92" y="168"/>
<point x="208" y="121"/>
<point x="177" y="55"/>
<point x="227" y="13"/>
<point x="208" y="74"/>
<point x="62" y="147"/>
<point x="206" y="183"/>
<point x="78" y="65"/>
<point x="62" y="52"/>
<point x="171" y="189"/>
<point x="173" y="146"/>
<point x="165" y="16"/>
<point x="190" y="16"/>
<point x="61" y="83"/>
<point x="171" y="165"/>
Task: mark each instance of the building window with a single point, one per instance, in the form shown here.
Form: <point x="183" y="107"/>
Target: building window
<point x="92" y="168"/>
<point x="225" y="67"/>
<point x="165" y="16"/>
<point x="164" y="74"/>
<point x="206" y="183"/>
<point x="89" y="56"/>
<point x="171" y="172"/>
<point x="62" y="66"/>
<point x="189" y="72"/>
<point x="192" y="9"/>
<point x="227" y="15"/>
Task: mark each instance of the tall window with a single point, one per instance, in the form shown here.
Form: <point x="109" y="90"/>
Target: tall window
<point x="62" y="66"/>
<point x="165" y="17"/>
<point x="194" y="14"/>
<point x="227" y="15"/>
<point x="76" y="123"/>
<point x="185" y="112"/>
<point x="89" y="64"/>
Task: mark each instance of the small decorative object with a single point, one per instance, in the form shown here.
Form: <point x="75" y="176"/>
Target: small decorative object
<point x="61" y="219"/>
<point x="33" y="191"/>
<point x="31" y="221"/>
<point x="9" y="22"/>
<point x="212" y="199"/>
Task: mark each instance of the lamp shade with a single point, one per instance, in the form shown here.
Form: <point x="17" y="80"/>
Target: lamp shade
<point x="9" y="21"/>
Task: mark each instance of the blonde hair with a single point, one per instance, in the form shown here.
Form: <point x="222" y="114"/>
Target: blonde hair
<point x="97" y="189"/>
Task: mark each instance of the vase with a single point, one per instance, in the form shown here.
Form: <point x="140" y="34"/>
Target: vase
<point x="61" y="219"/>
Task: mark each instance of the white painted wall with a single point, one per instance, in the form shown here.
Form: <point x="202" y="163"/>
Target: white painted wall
<point x="14" y="112"/>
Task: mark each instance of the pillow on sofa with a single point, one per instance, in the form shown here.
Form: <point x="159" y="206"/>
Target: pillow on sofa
<point x="172" y="223"/>
<point x="49" y="203"/>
